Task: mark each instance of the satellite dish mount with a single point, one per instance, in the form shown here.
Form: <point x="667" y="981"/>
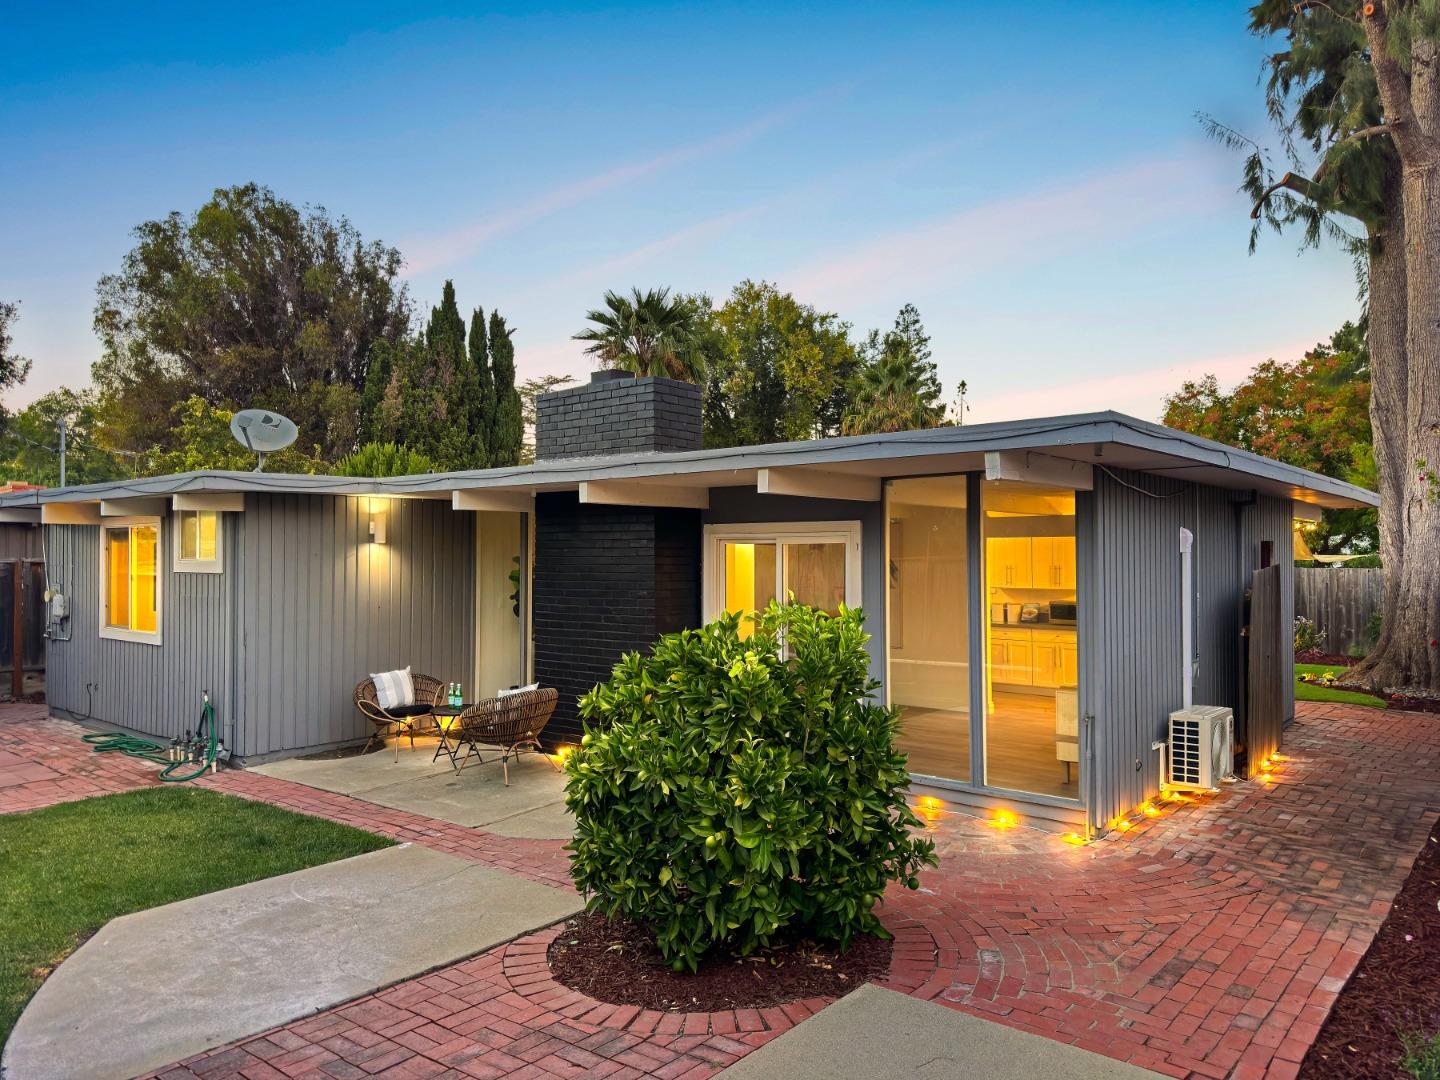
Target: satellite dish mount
<point x="262" y="432"/>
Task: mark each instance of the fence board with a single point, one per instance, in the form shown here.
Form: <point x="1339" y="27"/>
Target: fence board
<point x="1340" y="601"/>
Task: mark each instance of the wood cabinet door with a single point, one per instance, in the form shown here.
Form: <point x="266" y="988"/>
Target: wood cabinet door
<point x="1010" y="562"/>
<point x="1047" y="662"/>
<point x="1062" y="555"/>
<point x="1069" y="664"/>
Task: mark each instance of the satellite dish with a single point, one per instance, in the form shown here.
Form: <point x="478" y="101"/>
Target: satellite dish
<point x="262" y="432"/>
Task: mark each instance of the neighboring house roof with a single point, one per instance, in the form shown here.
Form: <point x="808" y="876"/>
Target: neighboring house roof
<point x="1105" y="439"/>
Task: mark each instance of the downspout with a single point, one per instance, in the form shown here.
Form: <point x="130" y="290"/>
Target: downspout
<point x="1187" y="619"/>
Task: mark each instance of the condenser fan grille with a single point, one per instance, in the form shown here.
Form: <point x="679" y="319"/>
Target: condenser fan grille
<point x="1185" y="752"/>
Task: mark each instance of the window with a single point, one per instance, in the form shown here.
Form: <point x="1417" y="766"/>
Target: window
<point x="747" y="566"/>
<point x="129" y="565"/>
<point x="197" y="542"/>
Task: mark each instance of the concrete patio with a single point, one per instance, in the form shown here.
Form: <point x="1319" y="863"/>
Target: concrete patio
<point x="531" y="807"/>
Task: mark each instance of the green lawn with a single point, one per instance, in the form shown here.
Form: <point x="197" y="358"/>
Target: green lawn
<point x="1311" y="692"/>
<point x="67" y="870"/>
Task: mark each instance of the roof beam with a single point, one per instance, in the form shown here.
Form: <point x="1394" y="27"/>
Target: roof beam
<point x="630" y="493"/>
<point x="136" y="507"/>
<point x="817" y="484"/>
<point x="1046" y="470"/>
<point x="70" y="513"/>
<point x="514" y="502"/>
<point x="221" y="501"/>
<point x="1306" y="512"/>
<point x="20" y="515"/>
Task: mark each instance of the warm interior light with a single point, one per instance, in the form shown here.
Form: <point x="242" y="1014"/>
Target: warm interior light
<point x="1005" y="819"/>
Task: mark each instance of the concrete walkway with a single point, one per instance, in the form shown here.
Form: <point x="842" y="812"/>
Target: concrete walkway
<point x="163" y="984"/>
<point x="878" y="1034"/>
<point x="532" y="807"/>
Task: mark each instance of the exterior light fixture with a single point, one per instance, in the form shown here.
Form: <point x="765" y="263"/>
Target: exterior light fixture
<point x="1005" y="819"/>
<point x="378" y="517"/>
<point x="1074" y="838"/>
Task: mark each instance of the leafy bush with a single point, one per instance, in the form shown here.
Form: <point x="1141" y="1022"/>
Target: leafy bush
<point x="1422" y="1056"/>
<point x="384" y="459"/>
<point x="1307" y="634"/>
<point x="737" y="791"/>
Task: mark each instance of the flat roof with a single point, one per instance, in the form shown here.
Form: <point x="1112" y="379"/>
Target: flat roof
<point x="1107" y="439"/>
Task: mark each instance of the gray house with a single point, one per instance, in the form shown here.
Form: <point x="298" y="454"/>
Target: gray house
<point x="1041" y="594"/>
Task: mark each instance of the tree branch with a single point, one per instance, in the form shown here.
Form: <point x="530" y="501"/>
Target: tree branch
<point x="1393" y="83"/>
<point x="1301" y="185"/>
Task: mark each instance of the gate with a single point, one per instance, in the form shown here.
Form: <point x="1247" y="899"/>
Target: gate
<point x="22" y="628"/>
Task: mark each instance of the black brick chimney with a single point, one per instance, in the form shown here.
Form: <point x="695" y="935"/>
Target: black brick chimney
<point x="616" y="413"/>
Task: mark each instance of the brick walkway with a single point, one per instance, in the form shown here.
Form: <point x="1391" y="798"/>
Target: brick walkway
<point x="43" y="761"/>
<point x="1209" y="941"/>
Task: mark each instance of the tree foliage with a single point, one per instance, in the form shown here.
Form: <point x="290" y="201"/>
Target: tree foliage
<point x="13" y="367"/>
<point x="730" y="795"/>
<point x="1313" y="412"/>
<point x="898" y="386"/>
<point x="30" y="443"/>
<point x="777" y="369"/>
<point x="202" y="440"/>
<point x="248" y="302"/>
<point x="384" y="459"/>
<point x="648" y="332"/>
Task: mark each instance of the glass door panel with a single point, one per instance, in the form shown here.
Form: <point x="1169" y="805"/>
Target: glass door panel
<point x="815" y="575"/>
<point x="928" y="622"/>
<point x="1031" y="726"/>
<point x="750" y="580"/>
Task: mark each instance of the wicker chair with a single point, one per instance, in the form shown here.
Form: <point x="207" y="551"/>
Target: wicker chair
<point x="512" y="723"/>
<point x="402" y="720"/>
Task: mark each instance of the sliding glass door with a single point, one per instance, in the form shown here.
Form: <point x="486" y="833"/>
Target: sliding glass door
<point x="814" y="563"/>
<point x="928" y="622"/>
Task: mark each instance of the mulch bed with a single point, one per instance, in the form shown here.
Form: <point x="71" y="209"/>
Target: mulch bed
<point x="1316" y="656"/>
<point x="617" y="962"/>
<point x="1396" y="988"/>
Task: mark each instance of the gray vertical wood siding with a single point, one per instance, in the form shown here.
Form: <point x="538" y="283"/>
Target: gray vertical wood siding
<point x="1129" y="597"/>
<point x="154" y="689"/>
<point x="320" y="608"/>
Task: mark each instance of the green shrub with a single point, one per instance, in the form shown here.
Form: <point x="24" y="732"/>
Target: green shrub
<point x="732" y="793"/>
<point x="1307" y="634"/>
<point x="384" y="459"/>
<point x="1422" y="1056"/>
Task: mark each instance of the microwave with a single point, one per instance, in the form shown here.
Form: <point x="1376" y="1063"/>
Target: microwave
<point x="1062" y="612"/>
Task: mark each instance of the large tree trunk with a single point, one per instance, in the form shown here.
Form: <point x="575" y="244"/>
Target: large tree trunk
<point x="1388" y="402"/>
<point x="1408" y="655"/>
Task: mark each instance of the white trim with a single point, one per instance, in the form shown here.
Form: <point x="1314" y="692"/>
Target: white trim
<point x="778" y="532"/>
<point x="182" y="565"/>
<point x="116" y="633"/>
<point x="817" y="484"/>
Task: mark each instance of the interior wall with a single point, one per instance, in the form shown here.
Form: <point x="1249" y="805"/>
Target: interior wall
<point x="497" y="626"/>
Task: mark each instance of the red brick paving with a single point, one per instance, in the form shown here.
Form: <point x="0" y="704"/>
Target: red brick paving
<point x="43" y="761"/>
<point x="1208" y="942"/>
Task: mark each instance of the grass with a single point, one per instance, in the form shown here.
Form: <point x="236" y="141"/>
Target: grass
<point x="1314" y="692"/>
<point x="69" y="869"/>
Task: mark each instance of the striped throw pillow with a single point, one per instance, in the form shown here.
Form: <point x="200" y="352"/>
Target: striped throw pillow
<point x="394" y="688"/>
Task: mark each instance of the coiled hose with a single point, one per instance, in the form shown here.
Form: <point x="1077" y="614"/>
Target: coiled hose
<point x="133" y="746"/>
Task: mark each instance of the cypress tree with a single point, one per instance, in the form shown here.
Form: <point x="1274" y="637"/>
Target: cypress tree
<point x="381" y="362"/>
<point x="482" y="415"/>
<point x="507" y="431"/>
<point x="457" y="385"/>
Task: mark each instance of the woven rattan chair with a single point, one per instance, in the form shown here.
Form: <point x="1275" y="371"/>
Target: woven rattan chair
<point x="401" y="720"/>
<point x="511" y="723"/>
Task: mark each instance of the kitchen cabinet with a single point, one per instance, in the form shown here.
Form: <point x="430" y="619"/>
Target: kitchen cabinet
<point x="1011" y="562"/>
<point x="1052" y="562"/>
<point x="1011" y="658"/>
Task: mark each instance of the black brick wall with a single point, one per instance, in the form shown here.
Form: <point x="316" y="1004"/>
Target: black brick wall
<point x="607" y="580"/>
<point x="617" y="414"/>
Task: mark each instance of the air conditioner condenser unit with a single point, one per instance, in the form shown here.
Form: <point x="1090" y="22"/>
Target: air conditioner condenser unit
<point x="1202" y="747"/>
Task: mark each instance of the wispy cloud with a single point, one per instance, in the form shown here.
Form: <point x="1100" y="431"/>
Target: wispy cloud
<point x="1006" y="230"/>
<point x="1137" y="392"/>
<point x="442" y="249"/>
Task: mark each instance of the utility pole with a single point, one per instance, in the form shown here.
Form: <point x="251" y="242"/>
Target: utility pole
<point x="62" y="451"/>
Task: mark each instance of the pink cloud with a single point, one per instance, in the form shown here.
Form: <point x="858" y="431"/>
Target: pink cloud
<point x="1139" y="393"/>
<point x="428" y="253"/>
<point x="1006" y="230"/>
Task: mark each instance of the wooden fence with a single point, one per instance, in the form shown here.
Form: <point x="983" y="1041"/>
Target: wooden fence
<point x="1340" y="601"/>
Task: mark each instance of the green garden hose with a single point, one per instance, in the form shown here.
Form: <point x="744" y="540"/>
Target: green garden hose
<point x="136" y="747"/>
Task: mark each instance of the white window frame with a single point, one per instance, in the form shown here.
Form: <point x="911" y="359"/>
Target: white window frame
<point x="778" y="533"/>
<point x="116" y="633"/>
<point x="183" y="565"/>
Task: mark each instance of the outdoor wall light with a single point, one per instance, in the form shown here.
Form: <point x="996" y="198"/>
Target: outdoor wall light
<point x="377" y="521"/>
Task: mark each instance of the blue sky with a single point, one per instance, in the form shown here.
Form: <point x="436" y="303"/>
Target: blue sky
<point x="1031" y="176"/>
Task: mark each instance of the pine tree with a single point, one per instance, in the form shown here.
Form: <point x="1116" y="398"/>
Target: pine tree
<point x="910" y="330"/>
<point x="507" y="430"/>
<point x="461" y="443"/>
<point x="482" y="418"/>
<point x="380" y="366"/>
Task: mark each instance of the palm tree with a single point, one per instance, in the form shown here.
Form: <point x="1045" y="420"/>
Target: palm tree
<point x="890" y="395"/>
<point x="648" y="333"/>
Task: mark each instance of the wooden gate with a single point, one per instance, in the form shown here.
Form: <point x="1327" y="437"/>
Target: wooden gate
<point x="22" y="628"/>
<point x="1265" y="689"/>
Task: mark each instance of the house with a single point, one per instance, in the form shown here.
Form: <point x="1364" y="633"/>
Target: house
<point x="1041" y="594"/>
